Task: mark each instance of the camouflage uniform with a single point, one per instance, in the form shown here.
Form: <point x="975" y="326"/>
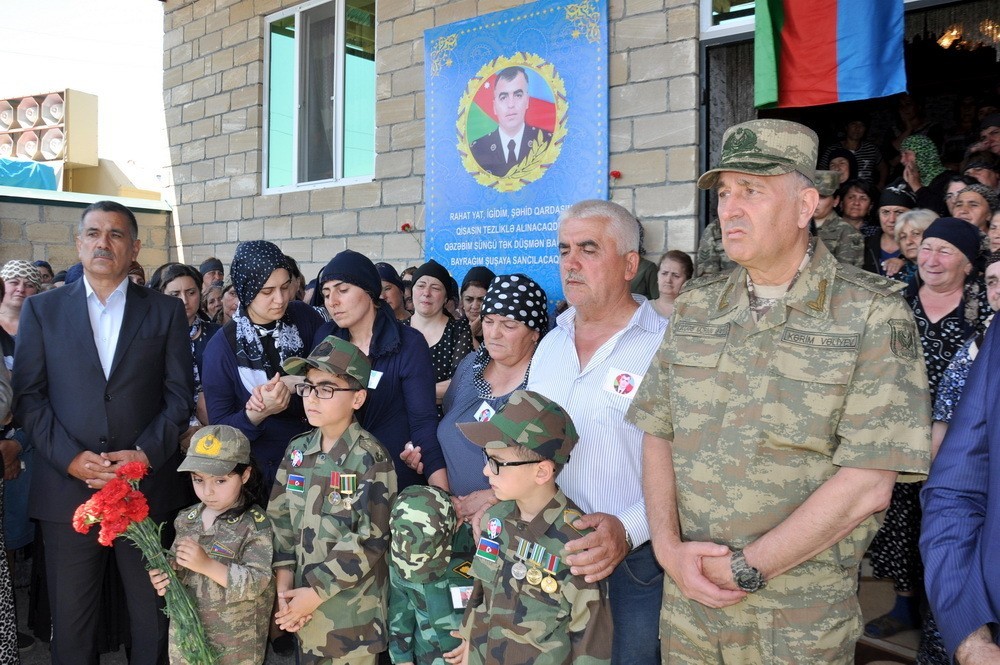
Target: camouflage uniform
<point x="428" y="576"/>
<point x="842" y="239"/>
<point x="761" y="414"/>
<point x="513" y="622"/>
<point x="236" y="618"/>
<point x="509" y="619"/>
<point x="337" y="549"/>
<point x="712" y="258"/>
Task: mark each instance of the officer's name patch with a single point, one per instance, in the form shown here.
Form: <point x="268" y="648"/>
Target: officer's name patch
<point x="691" y="329"/>
<point x="830" y="341"/>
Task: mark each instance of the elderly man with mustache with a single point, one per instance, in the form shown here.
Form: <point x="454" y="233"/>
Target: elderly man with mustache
<point x="591" y="365"/>
<point x="787" y="397"/>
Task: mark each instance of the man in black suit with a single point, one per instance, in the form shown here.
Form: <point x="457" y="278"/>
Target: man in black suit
<point x="511" y="142"/>
<point x="104" y="378"/>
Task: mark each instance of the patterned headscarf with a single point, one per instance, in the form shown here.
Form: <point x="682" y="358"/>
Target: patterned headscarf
<point x="19" y="268"/>
<point x="515" y="297"/>
<point x="992" y="200"/>
<point x="928" y="159"/>
<point x="252" y="266"/>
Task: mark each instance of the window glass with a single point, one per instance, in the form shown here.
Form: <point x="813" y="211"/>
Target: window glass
<point x="281" y="102"/>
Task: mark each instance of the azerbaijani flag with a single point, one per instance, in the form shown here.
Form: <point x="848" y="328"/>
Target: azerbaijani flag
<point x="813" y="52"/>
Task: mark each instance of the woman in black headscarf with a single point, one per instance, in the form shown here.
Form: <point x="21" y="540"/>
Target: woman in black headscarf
<point x="267" y="328"/>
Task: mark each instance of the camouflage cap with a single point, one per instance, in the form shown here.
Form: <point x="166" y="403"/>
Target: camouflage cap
<point x="765" y="147"/>
<point x="422" y="522"/>
<point x="216" y="450"/>
<point x="827" y="182"/>
<point x="530" y="420"/>
<point x="334" y="356"/>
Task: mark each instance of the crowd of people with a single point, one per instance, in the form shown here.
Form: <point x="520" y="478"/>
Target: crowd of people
<point x="384" y="465"/>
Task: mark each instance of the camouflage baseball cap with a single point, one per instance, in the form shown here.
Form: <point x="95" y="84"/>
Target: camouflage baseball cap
<point x="334" y="356"/>
<point x="216" y="450"/>
<point x="827" y="182"/>
<point x="765" y="147"/>
<point x="422" y="522"/>
<point x="530" y="420"/>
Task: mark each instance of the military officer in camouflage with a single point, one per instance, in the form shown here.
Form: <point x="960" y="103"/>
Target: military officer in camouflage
<point x="711" y="258"/>
<point x="785" y="400"/>
<point x="843" y="240"/>
<point x="330" y="513"/>
<point x="527" y="608"/>
<point x="429" y="582"/>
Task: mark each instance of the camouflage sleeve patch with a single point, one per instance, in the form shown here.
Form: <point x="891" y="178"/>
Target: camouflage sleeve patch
<point x="903" y="338"/>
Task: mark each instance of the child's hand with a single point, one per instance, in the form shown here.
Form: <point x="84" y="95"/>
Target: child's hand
<point x="460" y="654"/>
<point x="190" y="555"/>
<point x="159" y="580"/>
<point x="295" y="608"/>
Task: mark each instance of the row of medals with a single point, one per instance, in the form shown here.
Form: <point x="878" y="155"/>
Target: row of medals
<point x="519" y="571"/>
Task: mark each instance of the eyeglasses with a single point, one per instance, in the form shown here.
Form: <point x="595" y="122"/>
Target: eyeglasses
<point x="323" y="391"/>
<point x="495" y="464"/>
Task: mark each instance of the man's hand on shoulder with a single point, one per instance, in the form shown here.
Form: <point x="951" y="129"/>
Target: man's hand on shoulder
<point x="978" y="649"/>
<point x="596" y="555"/>
<point x="700" y="570"/>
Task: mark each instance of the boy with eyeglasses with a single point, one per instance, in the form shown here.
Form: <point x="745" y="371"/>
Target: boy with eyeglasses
<point x="526" y="606"/>
<point x="330" y="513"/>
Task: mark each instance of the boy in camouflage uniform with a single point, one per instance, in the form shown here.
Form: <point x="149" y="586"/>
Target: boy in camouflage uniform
<point x="330" y="510"/>
<point x="235" y="614"/>
<point x="429" y="580"/>
<point x="526" y="607"/>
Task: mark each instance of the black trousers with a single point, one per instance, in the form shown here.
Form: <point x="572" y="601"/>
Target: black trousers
<point x="75" y="565"/>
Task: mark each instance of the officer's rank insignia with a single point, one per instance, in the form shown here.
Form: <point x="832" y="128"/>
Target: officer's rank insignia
<point x="296" y="483"/>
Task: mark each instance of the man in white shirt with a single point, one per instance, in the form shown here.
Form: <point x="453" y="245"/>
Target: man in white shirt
<point x="592" y="364"/>
<point x="104" y="378"/>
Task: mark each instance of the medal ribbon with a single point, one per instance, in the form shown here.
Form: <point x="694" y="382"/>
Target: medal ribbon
<point x="537" y="555"/>
<point x="334" y="480"/>
<point x="348" y="483"/>
<point x="522" y="548"/>
<point x="552" y="564"/>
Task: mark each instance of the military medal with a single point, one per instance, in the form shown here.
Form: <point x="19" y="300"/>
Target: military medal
<point x="537" y="557"/>
<point x="334" y="487"/>
<point x="518" y="571"/>
<point x="348" y="486"/>
<point x="549" y="584"/>
<point x="534" y="576"/>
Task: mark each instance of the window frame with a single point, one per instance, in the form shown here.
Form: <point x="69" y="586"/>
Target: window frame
<point x="340" y="46"/>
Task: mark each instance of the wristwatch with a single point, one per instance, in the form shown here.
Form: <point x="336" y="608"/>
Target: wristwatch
<point x="747" y="577"/>
<point x="628" y="541"/>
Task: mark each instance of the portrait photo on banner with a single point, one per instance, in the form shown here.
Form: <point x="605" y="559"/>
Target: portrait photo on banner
<point x="516" y="121"/>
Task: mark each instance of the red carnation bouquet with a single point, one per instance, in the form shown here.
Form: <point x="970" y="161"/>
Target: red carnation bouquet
<point x="121" y="510"/>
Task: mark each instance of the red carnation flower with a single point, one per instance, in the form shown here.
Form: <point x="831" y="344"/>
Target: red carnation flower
<point x="133" y="471"/>
<point x="136" y="507"/>
<point x="616" y="174"/>
<point x="406" y="226"/>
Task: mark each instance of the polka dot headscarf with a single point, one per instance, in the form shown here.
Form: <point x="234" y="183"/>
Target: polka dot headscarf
<point x="252" y="266"/>
<point x="518" y="297"/>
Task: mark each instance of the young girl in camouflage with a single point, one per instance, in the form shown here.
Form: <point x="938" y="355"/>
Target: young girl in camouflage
<point x="223" y="548"/>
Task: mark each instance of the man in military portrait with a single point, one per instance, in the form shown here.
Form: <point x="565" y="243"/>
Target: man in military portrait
<point x="511" y="142"/>
<point x="787" y="397"/>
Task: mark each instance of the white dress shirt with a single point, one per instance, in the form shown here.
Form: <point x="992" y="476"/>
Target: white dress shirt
<point x="505" y="139"/>
<point x="106" y="321"/>
<point x="604" y="473"/>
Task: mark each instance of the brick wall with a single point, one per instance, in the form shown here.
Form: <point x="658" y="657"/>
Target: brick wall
<point x="213" y="93"/>
<point x="38" y="230"/>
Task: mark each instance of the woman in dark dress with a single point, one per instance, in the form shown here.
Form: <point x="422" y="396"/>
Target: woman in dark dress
<point x="949" y="306"/>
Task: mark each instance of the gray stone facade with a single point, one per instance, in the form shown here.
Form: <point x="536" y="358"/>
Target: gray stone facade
<point x="213" y="99"/>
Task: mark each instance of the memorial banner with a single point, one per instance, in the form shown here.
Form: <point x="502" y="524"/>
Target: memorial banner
<point x="516" y="127"/>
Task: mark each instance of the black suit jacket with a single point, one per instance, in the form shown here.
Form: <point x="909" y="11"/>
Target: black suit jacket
<point x="492" y="156"/>
<point x="63" y="400"/>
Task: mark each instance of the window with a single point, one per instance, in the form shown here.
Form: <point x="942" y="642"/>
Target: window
<point x="319" y="100"/>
